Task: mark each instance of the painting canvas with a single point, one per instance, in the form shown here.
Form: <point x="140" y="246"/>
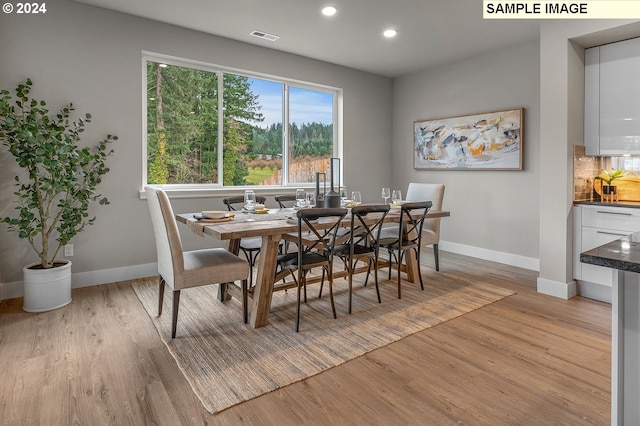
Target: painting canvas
<point x="485" y="141"/>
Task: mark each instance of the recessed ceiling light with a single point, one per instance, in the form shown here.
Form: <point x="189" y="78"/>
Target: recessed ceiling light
<point x="329" y="11"/>
<point x="390" y="33"/>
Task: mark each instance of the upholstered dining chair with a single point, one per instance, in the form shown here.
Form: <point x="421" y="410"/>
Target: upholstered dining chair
<point x="409" y="237"/>
<point x="364" y="242"/>
<point x="249" y="246"/>
<point x="317" y="231"/>
<point x="185" y="269"/>
<point x="433" y="192"/>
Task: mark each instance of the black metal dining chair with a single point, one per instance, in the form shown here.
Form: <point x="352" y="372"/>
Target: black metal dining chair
<point x="249" y="246"/>
<point x="285" y="201"/>
<point x="317" y="231"/>
<point x="363" y="244"/>
<point x="409" y="237"/>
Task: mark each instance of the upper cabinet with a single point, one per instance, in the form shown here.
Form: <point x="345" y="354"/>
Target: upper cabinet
<point x="612" y="99"/>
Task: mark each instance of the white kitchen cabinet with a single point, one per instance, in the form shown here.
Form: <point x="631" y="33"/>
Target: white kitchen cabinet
<point x="612" y="98"/>
<point x="594" y="226"/>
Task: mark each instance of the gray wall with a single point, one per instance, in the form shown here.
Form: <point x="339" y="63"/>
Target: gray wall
<point x="92" y="57"/>
<point x="496" y="211"/>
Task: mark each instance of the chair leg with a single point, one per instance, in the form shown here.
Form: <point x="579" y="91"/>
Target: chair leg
<point x="366" y="279"/>
<point x="350" y="272"/>
<point x="419" y="269"/>
<point x="251" y="259"/>
<point x="300" y="283"/>
<point x="400" y="253"/>
<point x="321" y="286"/>
<point x="245" y="302"/>
<point x="161" y="294"/>
<point x="435" y="255"/>
<point x="174" y="320"/>
<point x="333" y="306"/>
<point x="375" y="275"/>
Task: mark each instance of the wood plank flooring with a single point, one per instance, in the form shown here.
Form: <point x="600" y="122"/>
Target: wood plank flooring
<point x="527" y="359"/>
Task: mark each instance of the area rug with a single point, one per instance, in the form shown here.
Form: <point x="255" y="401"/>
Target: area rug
<point x="227" y="362"/>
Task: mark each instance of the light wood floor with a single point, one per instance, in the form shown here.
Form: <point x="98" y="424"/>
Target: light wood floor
<point x="528" y="359"/>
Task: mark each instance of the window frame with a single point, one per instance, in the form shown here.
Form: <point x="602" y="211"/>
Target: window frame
<point x="209" y="189"/>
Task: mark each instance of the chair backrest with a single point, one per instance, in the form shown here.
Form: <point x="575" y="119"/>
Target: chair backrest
<point x="411" y="224"/>
<point x="363" y="230"/>
<point x="325" y="237"/>
<point x="285" y="198"/>
<point x="433" y="192"/>
<point x="165" y="229"/>
<point x="232" y="202"/>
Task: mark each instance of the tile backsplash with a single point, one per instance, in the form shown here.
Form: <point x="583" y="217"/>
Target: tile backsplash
<point x="585" y="168"/>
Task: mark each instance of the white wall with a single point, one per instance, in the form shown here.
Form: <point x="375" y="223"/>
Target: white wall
<point x="494" y="214"/>
<point x="92" y="57"/>
<point x="562" y="46"/>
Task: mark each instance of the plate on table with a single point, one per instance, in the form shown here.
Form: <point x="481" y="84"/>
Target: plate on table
<point x="262" y="211"/>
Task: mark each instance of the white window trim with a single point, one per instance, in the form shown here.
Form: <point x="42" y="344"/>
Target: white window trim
<point x="217" y="189"/>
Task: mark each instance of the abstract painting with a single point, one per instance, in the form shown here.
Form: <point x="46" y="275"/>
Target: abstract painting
<point x="485" y="141"/>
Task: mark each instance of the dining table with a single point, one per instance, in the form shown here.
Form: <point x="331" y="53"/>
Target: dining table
<point x="272" y="226"/>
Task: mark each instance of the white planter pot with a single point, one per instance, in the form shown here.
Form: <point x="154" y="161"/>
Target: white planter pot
<point x="46" y="289"/>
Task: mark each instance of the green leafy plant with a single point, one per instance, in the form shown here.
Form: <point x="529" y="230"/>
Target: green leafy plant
<point x="60" y="177"/>
<point x="611" y="176"/>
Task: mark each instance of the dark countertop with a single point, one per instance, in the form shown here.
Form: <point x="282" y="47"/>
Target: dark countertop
<point x="632" y="204"/>
<point x="622" y="254"/>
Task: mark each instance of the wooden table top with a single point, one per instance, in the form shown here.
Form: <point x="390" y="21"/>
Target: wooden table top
<point x="239" y="227"/>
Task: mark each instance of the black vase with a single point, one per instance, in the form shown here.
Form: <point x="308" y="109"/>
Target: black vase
<point x="608" y="189"/>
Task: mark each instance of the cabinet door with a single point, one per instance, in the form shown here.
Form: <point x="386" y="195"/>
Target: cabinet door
<point x="620" y="98"/>
<point x="592" y="101"/>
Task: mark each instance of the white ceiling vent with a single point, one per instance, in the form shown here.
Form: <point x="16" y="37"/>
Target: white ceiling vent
<point x="262" y="34"/>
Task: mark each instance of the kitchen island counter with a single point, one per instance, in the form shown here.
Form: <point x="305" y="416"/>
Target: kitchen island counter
<point x="622" y="256"/>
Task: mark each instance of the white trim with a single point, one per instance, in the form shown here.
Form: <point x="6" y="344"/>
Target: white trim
<point x="85" y="279"/>
<point x="492" y="255"/>
<point x="15" y="289"/>
<point x="556" y="288"/>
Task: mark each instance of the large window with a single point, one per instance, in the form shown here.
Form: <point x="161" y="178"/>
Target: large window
<point x="209" y="126"/>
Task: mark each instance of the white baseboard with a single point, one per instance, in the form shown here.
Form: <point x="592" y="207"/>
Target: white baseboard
<point x="491" y="255"/>
<point x="556" y="288"/>
<point x="86" y="279"/>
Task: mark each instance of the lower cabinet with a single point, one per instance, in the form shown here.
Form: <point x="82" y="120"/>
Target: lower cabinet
<point x="593" y="227"/>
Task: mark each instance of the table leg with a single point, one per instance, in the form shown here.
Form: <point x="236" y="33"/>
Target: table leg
<point x="264" y="281"/>
<point x="412" y="267"/>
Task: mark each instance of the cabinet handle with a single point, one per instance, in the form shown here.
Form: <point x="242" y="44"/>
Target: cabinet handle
<point x="618" y="213"/>
<point x="613" y="233"/>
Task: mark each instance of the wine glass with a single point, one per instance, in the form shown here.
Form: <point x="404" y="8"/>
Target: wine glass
<point x="356" y="198"/>
<point x="300" y="198"/>
<point x="396" y="196"/>
<point x="386" y="193"/>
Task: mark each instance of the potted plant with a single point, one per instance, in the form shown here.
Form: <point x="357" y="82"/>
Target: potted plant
<point x="54" y="189"/>
<point x="607" y="180"/>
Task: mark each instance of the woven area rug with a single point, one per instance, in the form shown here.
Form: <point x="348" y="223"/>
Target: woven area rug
<point x="227" y="362"/>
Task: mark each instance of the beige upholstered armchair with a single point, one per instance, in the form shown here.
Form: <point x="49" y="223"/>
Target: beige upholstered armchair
<point x="184" y="269"/>
<point x="431" y="230"/>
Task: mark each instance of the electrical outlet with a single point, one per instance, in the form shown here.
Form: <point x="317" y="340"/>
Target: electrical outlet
<point x="68" y="250"/>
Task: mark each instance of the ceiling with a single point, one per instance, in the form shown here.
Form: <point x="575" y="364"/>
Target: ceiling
<point x="430" y="32"/>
